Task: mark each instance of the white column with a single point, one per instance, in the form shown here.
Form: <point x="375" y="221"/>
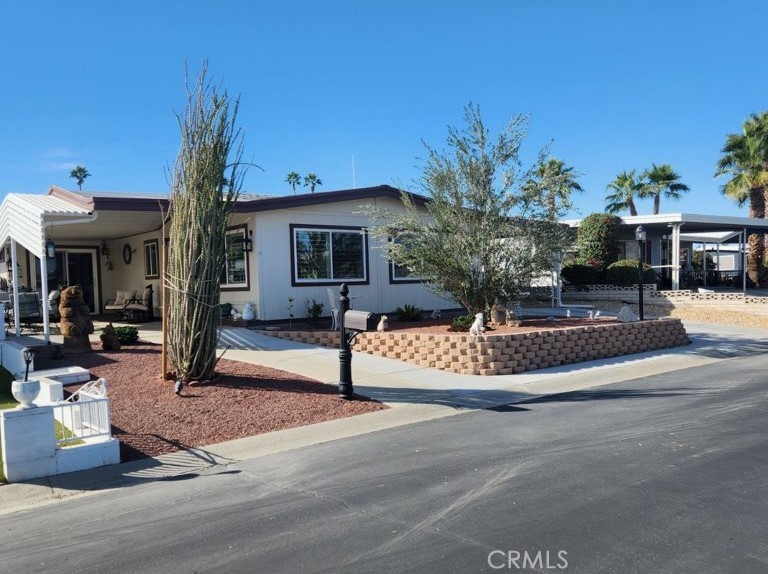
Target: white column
<point x="15" y="269"/>
<point x="744" y="263"/>
<point x="675" y="256"/>
<point x="44" y="295"/>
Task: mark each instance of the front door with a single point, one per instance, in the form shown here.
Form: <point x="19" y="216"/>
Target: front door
<point x="77" y="267"/>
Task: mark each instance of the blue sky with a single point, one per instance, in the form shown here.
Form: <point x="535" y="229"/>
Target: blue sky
<point x="612" y="85"/>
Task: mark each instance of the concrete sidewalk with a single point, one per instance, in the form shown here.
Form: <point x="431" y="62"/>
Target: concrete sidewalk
<point x="415" y="394"/>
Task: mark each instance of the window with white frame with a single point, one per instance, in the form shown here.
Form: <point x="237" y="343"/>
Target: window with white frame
<point x="151" y="265"/>
<point x="235" y="273"/>
<point x="328" y="254"/>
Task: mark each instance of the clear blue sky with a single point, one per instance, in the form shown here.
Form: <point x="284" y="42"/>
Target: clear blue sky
<point x="613" y="84"/>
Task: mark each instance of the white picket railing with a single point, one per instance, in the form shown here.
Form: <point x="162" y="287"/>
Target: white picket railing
<point x="85" y="414"/>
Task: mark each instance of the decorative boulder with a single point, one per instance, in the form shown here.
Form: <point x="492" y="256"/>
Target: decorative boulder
<point x="76" y="322"/>
<point x="626" y="315"/>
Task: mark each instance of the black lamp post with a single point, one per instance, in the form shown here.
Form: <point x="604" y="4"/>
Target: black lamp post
<point x="640" y="238"/>
<point x="346" y="390"/>
<point x="28" y="354"/>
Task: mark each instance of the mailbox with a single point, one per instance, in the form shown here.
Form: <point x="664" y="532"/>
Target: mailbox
<point x="360" y="320"/>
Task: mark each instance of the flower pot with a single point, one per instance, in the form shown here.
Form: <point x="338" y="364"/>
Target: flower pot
<point x="25" y="392"/>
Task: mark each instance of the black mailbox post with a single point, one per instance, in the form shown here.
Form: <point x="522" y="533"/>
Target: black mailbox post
<point x="352" y="324"/>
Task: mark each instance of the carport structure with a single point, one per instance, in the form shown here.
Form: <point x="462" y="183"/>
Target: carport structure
<point x="39" y="232"/>
<point x="671" y="236"/>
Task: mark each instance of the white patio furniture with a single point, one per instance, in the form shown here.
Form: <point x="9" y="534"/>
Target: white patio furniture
<point x="334" y="309"/>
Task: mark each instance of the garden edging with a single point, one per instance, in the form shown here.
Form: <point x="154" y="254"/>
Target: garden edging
<point x="509" y="353"/>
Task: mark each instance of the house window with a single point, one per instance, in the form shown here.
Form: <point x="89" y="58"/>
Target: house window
<point x="235" y="273"/>
<point x="401" y="273"/>
<point x="329" y="255"/>
<point x="151" y="266"/>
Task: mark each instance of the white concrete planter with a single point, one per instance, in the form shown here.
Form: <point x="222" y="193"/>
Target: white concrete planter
<point x="25" y="392"/>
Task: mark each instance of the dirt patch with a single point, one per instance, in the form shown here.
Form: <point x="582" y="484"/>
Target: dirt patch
<point x="442" y="326"/>
<point x="246" y="400"/>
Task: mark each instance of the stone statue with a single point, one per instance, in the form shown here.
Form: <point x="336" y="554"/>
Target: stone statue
<point x="76" y="322"/>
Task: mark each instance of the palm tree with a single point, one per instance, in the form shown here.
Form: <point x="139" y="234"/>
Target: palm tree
<point x="293" y="180"/>
<point x="79" y="173"/>
<point x="554" y="183"/>
<point x="311" y="180"/>
<point x="662" y="179"/>
<point x="745" y="160"/>
<point x="624" y="189"/>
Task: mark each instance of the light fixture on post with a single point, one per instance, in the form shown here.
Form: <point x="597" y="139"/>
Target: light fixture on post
<point x="28" y="356"/>
<point x="50" y="249"/>
<point x="640" y="237"/>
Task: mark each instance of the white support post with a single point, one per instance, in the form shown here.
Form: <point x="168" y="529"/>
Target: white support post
<point x="675" y="256"/>
<point x="15" y="284"/>
<point x="744" y="264"/>
<point x="44" y="296"/>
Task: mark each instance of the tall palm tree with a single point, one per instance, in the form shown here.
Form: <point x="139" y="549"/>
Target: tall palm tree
<point x="554" y="183"/>
<point x="745" y="161"/>
<point x="311" y="180"/>
<point x="662" y="180"/>
<point x="79" y="173"/>
<point x="623" y="190"/>
<point x="293" y="180"/>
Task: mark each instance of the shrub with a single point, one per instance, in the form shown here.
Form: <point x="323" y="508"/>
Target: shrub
<point x="226" y="310"/>
<point x="462" y="323"/>
<point x="598" y="239"/>
<point x="408" y="313"/>
<point x="127" y="335"/>
<point x="314" y="310"/>
<point x="581" y="274"/>
<point x="624" y="272"/>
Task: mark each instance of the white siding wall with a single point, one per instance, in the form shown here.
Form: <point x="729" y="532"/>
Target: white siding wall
<point x="270" y="265"/>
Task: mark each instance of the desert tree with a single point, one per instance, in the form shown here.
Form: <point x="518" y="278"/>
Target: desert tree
<point x="293" y="179"/>
<point x="206" y="181"/>
<point x="311" y="181"/>
<point x="483" y="237"/>
<point x="79" y="174"/>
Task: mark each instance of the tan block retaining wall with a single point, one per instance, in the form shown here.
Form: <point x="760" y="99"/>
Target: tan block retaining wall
<point x="509" y="354"/>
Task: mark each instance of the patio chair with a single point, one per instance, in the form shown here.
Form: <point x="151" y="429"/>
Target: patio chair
<point x="120" y="302"/>
<point x="334" y="310"/>
<point x="30" y="315"/>
<point x="140" y="309"/>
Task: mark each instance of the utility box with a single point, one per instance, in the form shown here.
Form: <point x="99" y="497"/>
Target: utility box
<point x="360" y="321"/>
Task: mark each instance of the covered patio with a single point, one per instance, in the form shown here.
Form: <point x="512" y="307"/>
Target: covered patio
<point x="66" y="238"/>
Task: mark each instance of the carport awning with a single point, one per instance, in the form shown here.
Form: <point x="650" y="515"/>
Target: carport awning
<point x="709" y="236"/>
<point x="24" y="218"/>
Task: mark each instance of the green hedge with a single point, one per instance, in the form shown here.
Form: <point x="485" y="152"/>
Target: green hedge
<point x="581" y="274"/>
<point x="625" y="272"/>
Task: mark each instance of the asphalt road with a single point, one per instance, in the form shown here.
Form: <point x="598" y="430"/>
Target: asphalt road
<point x="662" y="474"/>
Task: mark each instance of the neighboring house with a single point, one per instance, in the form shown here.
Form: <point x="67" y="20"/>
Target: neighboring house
<point x="278" y="248"/>
<point x="672" y="238"/>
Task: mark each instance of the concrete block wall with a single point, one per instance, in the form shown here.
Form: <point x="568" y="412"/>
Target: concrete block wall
<point x="509" y="354"/>
<point x="28" y="438"/>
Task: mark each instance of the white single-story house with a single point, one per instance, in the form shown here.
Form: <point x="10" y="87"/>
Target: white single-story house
<point x="672" y="239"/>
<point x="282" y="252"/>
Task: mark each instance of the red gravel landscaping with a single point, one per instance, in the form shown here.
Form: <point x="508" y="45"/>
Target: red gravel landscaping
<point x="149" y="419"/>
